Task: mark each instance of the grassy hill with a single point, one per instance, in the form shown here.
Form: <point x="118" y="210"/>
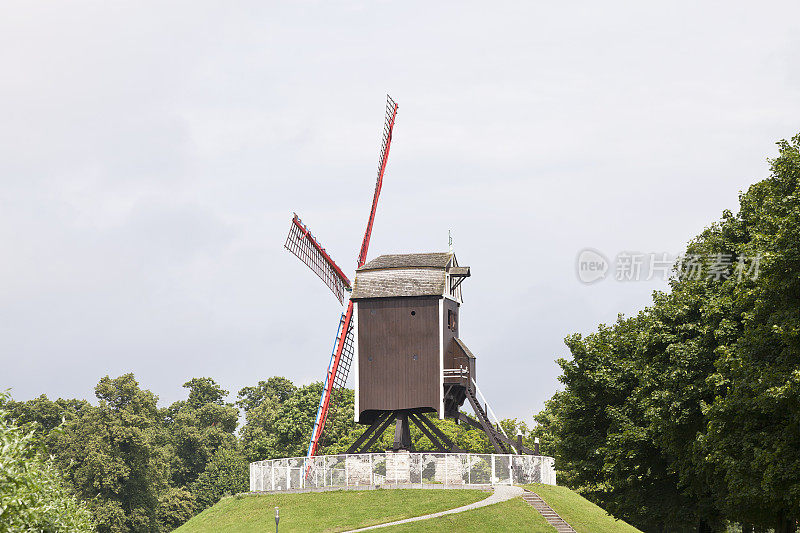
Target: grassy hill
<point x="516" y="515"/>
<point x="344" y="510"/>
<point x="580" y="513"/>
<point x="325" y="511"/>
<point x="512" y="515"/>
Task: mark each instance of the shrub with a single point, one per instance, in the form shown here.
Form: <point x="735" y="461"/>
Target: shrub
<point x="33" y="496"/>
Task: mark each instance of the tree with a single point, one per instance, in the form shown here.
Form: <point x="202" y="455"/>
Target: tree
<point x="686" y="416"/>
<point x="113" y="455"/>
<point x="752" y="440"/>
<point x="225" y="475"/>
<point x="598" y="431"/>
<point x="203" y="391"/>
<point x="261" y="405"/>
<point x="175" y="506"/>
<point x="33" y="496"/>
<point x="294" y="420"/>
<point x="197" y="428"/>
<point x="275" y="388"/>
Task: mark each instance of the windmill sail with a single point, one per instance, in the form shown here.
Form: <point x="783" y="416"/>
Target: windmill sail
<point x="341" y="357"/>
<point x="383" y="158"/>
<point x="303" y="245"/>
<point x="335" y="378"/>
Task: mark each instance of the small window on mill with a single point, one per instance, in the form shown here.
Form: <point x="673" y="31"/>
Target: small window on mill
<point x="451" y="320"/>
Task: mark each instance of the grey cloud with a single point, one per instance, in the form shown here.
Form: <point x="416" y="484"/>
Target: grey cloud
<point x="151" y="156"/>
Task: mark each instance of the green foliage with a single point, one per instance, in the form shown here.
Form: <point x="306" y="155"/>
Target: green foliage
<point x="197" y="428"/>
<point x="132" y="463"/>
<point x="114" y="457"/>
<point x="226" y="474"/>
<point x="175" y="506"/>
<point x="267" y="410"/>
<point x="204" y="391"/>
<point x="139" y="467"/>
<point x="33" y="496"/>
<point x="276" y="388"/>
<point x="688" y="415"/>
<point x="42" y="413"/>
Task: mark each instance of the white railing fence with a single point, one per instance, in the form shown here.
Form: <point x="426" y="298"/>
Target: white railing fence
<point x="400" y="468"/>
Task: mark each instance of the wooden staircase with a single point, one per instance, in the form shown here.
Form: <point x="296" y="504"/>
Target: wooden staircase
<point x="547" y="512"/>
<point x="483" y="418"/>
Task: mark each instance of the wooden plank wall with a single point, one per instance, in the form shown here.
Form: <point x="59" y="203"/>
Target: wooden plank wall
<point x="389" y="337"/>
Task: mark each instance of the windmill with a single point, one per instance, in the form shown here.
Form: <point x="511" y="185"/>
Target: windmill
<point x="400" y="333"/>
<point x="302" y="243"/>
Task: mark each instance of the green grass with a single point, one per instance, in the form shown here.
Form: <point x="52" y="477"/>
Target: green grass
<point x="509" y="516"/>
<point x="580" y="513"/>
<point x="343" y="510"/>
<point x="325" y="511"/>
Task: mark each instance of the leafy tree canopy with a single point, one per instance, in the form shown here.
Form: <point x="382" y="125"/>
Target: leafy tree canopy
<point x="33" y="496"/>
<point x="687" y="415"/>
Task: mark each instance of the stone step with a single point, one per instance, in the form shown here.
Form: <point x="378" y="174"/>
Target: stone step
<point x="535" y="501"/>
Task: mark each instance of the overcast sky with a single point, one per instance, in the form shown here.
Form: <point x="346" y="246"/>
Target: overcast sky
<point x="152" y="154"/>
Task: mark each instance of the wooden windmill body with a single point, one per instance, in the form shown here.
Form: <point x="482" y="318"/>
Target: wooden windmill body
<point x="408" y="357"/>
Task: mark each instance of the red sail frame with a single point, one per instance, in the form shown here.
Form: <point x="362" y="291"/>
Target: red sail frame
<point x="344" y="329"/>
<point x="302" y="244"/>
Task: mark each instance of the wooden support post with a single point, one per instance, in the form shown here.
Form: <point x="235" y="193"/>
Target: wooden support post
<point x="379" y="421"/>
<point x="377" y="433"/>
<point x="427" y="432"/>
<point x="402" y="433"/>
<point x="438" y="432"/>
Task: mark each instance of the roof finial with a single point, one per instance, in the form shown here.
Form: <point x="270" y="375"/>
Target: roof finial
<point x="450" y="241"/>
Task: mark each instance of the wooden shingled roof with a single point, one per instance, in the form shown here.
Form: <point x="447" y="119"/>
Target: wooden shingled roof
<point x="395" y="275"/>
<point x="426" y="260"/>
